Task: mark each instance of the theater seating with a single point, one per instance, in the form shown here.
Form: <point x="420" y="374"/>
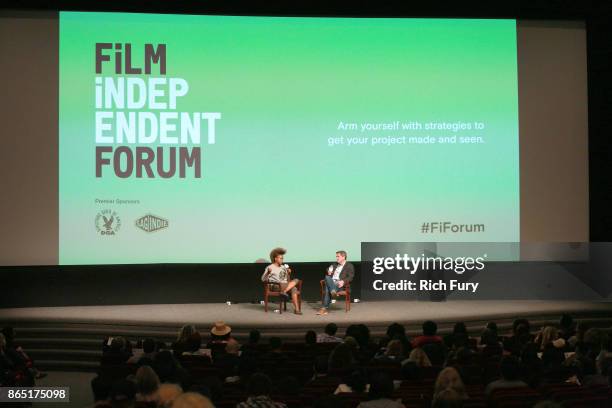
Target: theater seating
<point x="412" y="393"/>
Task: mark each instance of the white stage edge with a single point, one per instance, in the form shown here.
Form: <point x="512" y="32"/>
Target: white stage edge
<point x="246" y="316"/>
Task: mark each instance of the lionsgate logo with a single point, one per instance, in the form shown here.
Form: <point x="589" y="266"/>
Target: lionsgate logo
<point x="107" y="222"/>
<point x="151" y="223"/>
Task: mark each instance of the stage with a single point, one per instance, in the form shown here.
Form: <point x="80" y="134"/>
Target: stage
<point x="245" y="316"/>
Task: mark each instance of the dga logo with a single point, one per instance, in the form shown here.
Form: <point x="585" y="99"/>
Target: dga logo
<point x="108" y="222"/>
<point x="151" y="223"/>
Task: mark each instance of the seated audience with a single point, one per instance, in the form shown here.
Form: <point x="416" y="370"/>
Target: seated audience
<point x="168" y="369"/>
<point x="117" y="351"/>
<point x="548" y="404"/>
<point x="436" y="352"/>
<point x="193" y="347"/>
<point x="228" y="362"/>
<point x="361" y="333"/>
<point x="100" y="388"/>
<point x="521" y="335"/>
<point x="329" y="335"/>
<point x="581" y="329"/>
<point x="17" y="350"/>
<point x="167" y="394"/>
<point x="380" y="393"/>
<point x="394" y="352"/>
<point x="341" y="360"/>
<point x="431" y="343"/>
<point x="192" y="400"/>
<point x="319" y="370"/>
<point x="310" y="338"/>
<point x="259" y="389"/>
<point x="396" y="330"/>
<point x="429" y="335"/>
<point x="252" y="348"/>
<point x="276" y="356"/>
<point x="353" y="383"/>
<point x="149" y="350"/>
<point x="462" y="356"/>
<point x="147" y="384"/>
<point x="552" y="365"/>
<point x="510" y="376"/>
<point x="12" y="366"/>
<point x="567" y="327"/>
<point x="491" y="327"/>
<point x="491" y="347"/>
<point x="122" y="394"/>
<point x="449" y="378"/>
<point x="531" y="365"/>
<point x="180" y="345"/>
<point x="447" y="398"/>
<point x="220" y="334"/>
<point x="411" y="373"/>
<point x="418" y="357"/>
<point x="309" y="374"/>
<point x="458" y="338"/>
<point x="247" y="366"/>
<point x="288" y="386"/>
<point x="549" y="335"/>
<point x="328" y="401"/>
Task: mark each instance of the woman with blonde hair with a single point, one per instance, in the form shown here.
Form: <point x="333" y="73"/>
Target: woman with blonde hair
<point x="395" y="350"/>
<point x="418" y="357"/>
<point x="549" y="335"/>
<point x="192" y="400"/>
<point x="147" y="384"/>
<point x="449" y="378"/>
<point x="447" y="398"/>
<point x="168" y="393"/>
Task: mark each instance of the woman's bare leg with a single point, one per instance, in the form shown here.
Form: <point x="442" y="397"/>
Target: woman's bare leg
<point x="290" y="285"/>
<point x="296" y="304"/>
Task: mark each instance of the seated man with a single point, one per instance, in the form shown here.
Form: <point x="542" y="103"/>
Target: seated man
<point x="278" y="273"/>
<point x="338" y="275"/>
<point x="430" y="335"/>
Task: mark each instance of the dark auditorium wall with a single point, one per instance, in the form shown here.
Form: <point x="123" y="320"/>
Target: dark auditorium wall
<point x="148" y="284"/>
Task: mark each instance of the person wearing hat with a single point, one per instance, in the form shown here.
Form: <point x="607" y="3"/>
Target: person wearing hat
<point x="220" y="332"/>
<point x="279" y="273"/>
<point x="220" y="335"/>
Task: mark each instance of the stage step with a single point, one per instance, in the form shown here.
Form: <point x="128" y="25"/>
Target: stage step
<point x="67" y="365"/>
<point x="59" y="342"/>
<point x="70" y="354"/>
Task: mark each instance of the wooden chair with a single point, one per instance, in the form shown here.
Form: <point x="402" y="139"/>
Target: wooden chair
<point x="345" y="291"/>
<point x="273" y="289"/>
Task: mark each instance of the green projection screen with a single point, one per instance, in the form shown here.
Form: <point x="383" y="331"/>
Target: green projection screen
<point x="187" y="138"/>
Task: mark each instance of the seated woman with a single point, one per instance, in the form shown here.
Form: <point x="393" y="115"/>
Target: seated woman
<point x="278" y="273"/>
